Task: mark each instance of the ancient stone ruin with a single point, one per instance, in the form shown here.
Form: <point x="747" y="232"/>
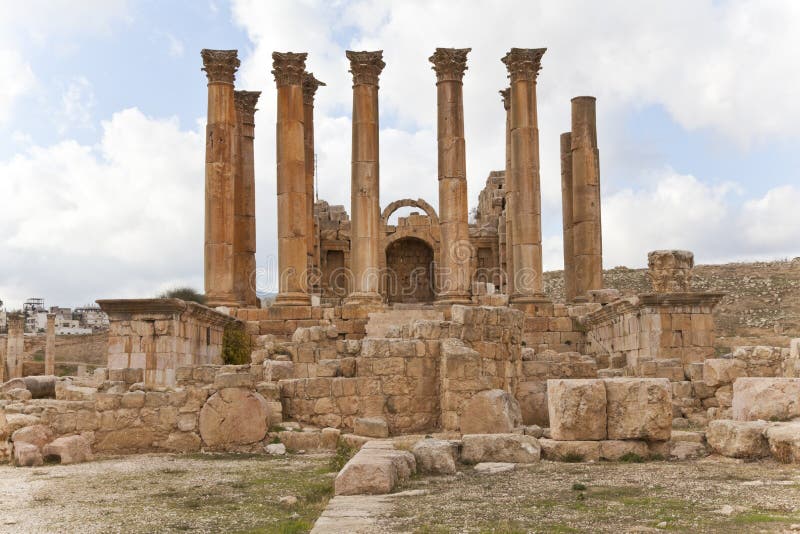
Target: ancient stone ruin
<point x="383" y="333"/>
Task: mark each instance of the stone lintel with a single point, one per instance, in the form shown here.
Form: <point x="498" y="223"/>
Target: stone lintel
<point x="310" y="86"/>
<point x="449" y="63"/>
<point x="524" y="63"/>
<point x="365" y="66"/>
<point x="288" y="67"/>
<point x="220" y="65"/>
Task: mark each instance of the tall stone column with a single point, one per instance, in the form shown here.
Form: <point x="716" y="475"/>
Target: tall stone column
<point x="456" y="250"/>
<point x="523" y="66"/>
<point x="365" y="211"/>
<point x="586" y="230"/>
<point x="288" y="69"/>
<point x="220" y="67"/>
<point x="310" y="86"/>
<point x="15" y="345"/>
<point x="566" y="216"/>
<point x="510" y="197"/>
<point x="50" y="346"/>
<point x="244" y="242"/>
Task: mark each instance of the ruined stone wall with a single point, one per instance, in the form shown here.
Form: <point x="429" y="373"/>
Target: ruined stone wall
<point x="556" y="328"/>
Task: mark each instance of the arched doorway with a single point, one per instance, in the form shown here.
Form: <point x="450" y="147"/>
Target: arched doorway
<point x="409" y="263"/>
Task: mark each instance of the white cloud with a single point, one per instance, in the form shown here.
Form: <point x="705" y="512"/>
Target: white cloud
<point x="117" y="219"/>
<point x="16" y="79"/>
<point x="77" y="102"/>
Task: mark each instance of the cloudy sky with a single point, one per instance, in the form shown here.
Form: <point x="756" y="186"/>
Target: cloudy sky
<point x="102" y="112"/>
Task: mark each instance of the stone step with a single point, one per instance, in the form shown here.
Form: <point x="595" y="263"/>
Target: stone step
<point x="380" y="322"/>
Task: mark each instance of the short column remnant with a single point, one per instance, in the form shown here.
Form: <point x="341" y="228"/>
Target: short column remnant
<point x="523" y="66"/>
<point x="288" y="69"/>
<point x="244" y="242"/>
<point x="586" y="230"/>
<point x="50" y="346"/>
<point x="220" y="67"/>
<point x="670" y="271"/>
<point x="365" y="210"/>
<point x="456" y="250"/>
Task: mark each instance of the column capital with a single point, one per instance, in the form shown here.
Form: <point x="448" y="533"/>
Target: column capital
<point x="524" y="63"/>
<point x="288" y="67"/>
<point x="245" y="102"/>
<point x="506" y="95"/>
<point x="310" y="85"/>
<point x="365" y="66"/>
<point x="220" y="65"/>
<point x="449" y="63"/>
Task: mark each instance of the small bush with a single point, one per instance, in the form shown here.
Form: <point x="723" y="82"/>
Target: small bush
<point x="188" y="294"/>
<point x="631" y="458"/>
<point x="235" y="346"/>
<point x="573" y="458"/>
<point x="343" y="454"/>
<point x="578" y="487"/>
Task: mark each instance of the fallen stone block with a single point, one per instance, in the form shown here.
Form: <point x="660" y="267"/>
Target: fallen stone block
<point x="570" y="451"/>
<point x="639" y="408"/>
<point x="614" y="450"/>
<point x="493" y="411"/>
<point x="373" y="427"/>
<point x="687" y="450"/>
<point x="491" y="468"/>
<point x="233" y="380"/>
<point x="275" y="370"/>
<point x="721" y="371"/>
<point x="435" y="456"/>
<point x="577" y="409"/>
<point x="375" y="470"/>
<point x="15" y="421"/>
<point x="68" y="450"/>
<point x="41" y="387"/>
<point x="738" y="439"/>
<point x="19" y="394"/>
<point x="233" y="416"/>
<point x="771" y="399"/>
<point x="514" y="448"/>
<point x="39" y="435"/>
<point x="784" y="442"/>
<point x="27" y="455"/>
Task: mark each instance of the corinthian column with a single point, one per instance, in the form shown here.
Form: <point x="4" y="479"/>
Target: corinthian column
<point x="523" y="66"/>
<point x="50" y="346"/>
<point x="510" y="197"/>
<point x="220" y="67"/>
<point x="586" y="230"/>
<point x="566" y="216"/>
<point x="365" y="182"/>
<point x="456" y="251"/>
<point x="244" y="194"/>
<point x="288" y="69"/>
<point x="310" y="85"/>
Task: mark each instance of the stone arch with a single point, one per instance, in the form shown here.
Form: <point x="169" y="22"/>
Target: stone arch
<point x="411" y="203"/>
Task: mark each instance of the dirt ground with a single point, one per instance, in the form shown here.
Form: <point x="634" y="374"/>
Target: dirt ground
<point x="713" y="495"/>
<point x="230" y="493"/>
<point x="167" y="493"/>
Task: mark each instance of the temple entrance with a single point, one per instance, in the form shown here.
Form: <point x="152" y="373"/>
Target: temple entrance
<point x="409" y="262"/>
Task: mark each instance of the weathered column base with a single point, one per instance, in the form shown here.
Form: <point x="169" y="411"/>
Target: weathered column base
<point x="296" y="298"/>
<point x="453" y="298"/>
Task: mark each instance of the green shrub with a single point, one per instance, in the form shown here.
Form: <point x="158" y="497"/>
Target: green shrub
<point x="578" y="487"/>
<point x="631" y="458"/>
<point x="235" y="346"/>
<point x="186" y="293"/>
<point x="573" y="458"/>
<point x="343" y="454"/>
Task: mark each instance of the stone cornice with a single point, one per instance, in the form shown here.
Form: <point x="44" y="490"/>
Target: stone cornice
<point x="288" y="68"/>
<point x="524" y="63"/>
<point x="681" y="299"/>
<point x="449" y="63"/>
<point x="220" y="65"/>
<point x="366" y="67"/>
<point x="310" y="86"/>
<point x="116" y="308"/>
<point x="506" y="95"/>
<point x="245" y="102"/>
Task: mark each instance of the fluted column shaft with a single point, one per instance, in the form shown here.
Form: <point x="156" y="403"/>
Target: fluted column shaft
<point x="566" y="216"/>
<point x="220" y="67"/>
<point x="523" y="66"/>
<point x="244" y="243"/>
<point x="510" y="197"/>
<point x="288" y="69"/>
<point x="50" y="346"/>
<point x="310" y="85"/>
<point x="365" y="177"/>
<point x="456" y="251"/>
<point x="587" y="232"/>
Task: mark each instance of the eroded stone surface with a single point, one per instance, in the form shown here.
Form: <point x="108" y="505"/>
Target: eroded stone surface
<point x="738" y="439"/>
<point x="771" y="399"/>
<point x="491" y="412"/>
<point x="435" y="456"/>
<point x="233" y="416"/>
<point x="68" y="450"/>
<point x="639" y="408"/>
<point x="514" y="448"/>
<point x="577" y="409"/>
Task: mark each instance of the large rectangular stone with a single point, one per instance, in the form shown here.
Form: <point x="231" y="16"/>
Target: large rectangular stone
<point x="577" y="409"/>
<point x="771" y="399"/>
<point x="639" y="408"/>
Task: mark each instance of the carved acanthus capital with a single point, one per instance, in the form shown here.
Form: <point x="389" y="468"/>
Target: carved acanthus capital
<point x="288" y="68"/>
<point x="524" y="63"/>
<point x="245" y="102"/>
<point x="506" y="94"/>
<point x="220" y="65"/>
<point x="310" y="85"/>
<point x="365" y="66"/>
<point x="449" y="63"/>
